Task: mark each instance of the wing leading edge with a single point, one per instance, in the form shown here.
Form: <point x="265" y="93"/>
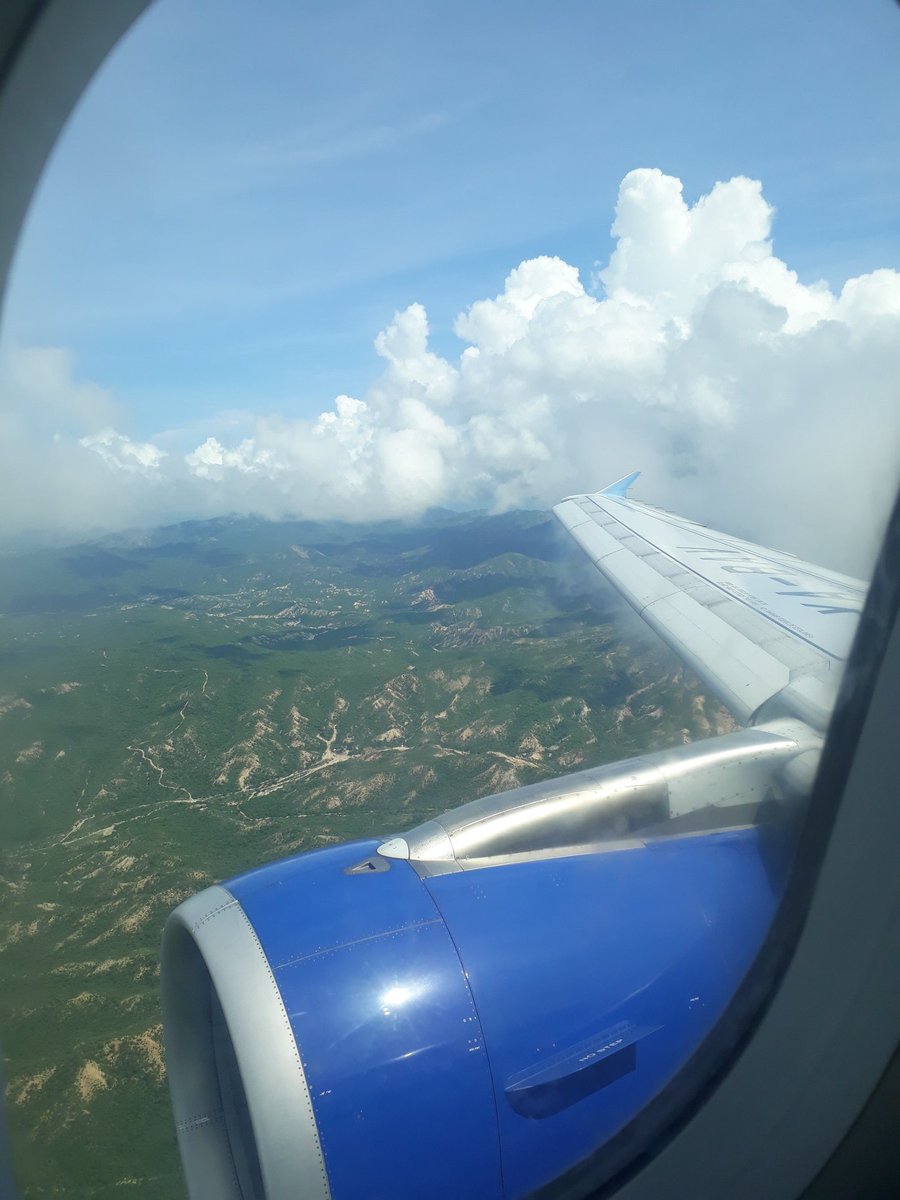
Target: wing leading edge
<point x="767" y="632"/>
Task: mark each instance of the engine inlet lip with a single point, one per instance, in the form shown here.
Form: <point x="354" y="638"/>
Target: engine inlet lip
<point x="243" y="1113"/>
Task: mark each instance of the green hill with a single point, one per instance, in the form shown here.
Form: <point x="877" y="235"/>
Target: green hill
<point x="180" y="706"/>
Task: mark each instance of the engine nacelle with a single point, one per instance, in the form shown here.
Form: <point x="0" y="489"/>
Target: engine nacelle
<point x="344" y="1024"/>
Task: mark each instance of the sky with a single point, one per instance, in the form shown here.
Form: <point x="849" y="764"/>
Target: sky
<point x="356" y="261"/>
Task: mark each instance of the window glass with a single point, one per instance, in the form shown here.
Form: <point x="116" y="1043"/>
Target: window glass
<point x="317" y="315"/>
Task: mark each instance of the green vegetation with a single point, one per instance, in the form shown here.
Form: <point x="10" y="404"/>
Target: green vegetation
<point x="181" y="707"/>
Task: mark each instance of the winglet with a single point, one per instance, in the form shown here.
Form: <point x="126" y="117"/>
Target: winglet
<point x="621" y="486"/>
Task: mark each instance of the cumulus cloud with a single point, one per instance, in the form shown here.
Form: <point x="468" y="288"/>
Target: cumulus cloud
<point x="122" y="454"/>
<point x="211" y="460"/>
<point x="750" y="400"/>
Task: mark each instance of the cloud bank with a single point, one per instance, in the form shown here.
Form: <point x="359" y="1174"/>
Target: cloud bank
<point x="750" y="400"/>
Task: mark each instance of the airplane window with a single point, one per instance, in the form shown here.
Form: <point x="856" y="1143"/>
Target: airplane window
<point x="445" y="452"/>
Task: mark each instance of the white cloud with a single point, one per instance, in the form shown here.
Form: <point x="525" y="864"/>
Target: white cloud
<point x="122" y="454"/>
<point x="211" y="460"/>
<point x="494" y="326"/>
<point x="750" y="399"/>
<point x="38" y="384"/>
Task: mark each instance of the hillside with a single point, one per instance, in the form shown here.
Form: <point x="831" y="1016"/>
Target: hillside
<point x="177" y="707"/>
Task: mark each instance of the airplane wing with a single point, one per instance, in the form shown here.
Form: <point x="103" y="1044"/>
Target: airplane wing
<point x="765" y="631"/>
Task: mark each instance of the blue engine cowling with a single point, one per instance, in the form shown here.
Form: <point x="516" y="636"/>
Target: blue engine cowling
<point x="337" y="1025"/>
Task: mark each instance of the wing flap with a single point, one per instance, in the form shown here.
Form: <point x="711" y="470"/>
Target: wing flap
<point x="636" y="579"/>
<point x="754" y="624"/>
<point x="742" y="674"/>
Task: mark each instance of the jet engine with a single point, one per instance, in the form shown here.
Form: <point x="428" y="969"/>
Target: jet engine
<point x="474" y="1007"/>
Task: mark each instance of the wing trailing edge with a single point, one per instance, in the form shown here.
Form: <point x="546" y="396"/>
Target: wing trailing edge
<point x="765" y="631"/>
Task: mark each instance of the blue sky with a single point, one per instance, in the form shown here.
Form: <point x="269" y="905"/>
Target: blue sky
<point x="533" y="245"/>
<point x="248" y="192"/>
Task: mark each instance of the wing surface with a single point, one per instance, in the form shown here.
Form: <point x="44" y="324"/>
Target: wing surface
<point x="760" y="627"/>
